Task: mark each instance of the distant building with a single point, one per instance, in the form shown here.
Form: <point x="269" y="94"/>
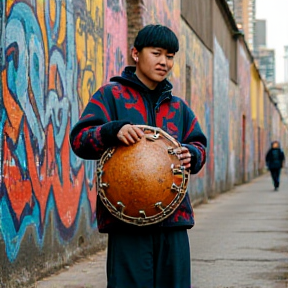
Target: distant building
<point x="286" y="64"/>
<point x="259" y="35"/>
<point x="244" y="14"/>
<point x="264" y="57"/>
<point x="231" y="5"/>
<point x="279" y="94"/>
<point x="266" y="64"/>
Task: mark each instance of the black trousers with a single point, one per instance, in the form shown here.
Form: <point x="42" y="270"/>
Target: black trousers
<point x="158" y="259"/>
<point x="275" y="173"/>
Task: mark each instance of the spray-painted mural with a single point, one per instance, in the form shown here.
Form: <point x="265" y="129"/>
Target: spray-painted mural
<point x="40" y="104"/>
<point x="53" y="55"/>
<point x="166" y="12"/>
<point x="246" y="128"/>
<point x="115" y="43"/>
<point x="199" y="60"/>
<point x="221" y="117"/>
<point x="52" y="62"/>
<point x="235" y="136"/>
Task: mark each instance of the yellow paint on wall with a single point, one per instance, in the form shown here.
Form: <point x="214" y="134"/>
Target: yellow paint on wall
<point x="41" y="19"/>
<point x="99" y="64"/>
<point x="261" y="104"/>
<point x="9" y="4"/>
<point x="80" y="40"/>
<point x="52" y="10"/>
<point x="253" y="91"/>
<point x="62" y="28"/>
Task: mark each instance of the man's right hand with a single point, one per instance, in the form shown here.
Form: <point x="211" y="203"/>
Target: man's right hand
<point x="130" y="134"/>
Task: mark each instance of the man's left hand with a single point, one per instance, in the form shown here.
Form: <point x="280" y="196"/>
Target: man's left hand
<point x="184" y="156"/>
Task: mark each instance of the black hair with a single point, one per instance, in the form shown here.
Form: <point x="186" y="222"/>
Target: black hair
<point x="157" y="36"/>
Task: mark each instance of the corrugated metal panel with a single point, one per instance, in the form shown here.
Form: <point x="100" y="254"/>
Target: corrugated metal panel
<point x="224" y="34"/>
<point x="198" y="15"/>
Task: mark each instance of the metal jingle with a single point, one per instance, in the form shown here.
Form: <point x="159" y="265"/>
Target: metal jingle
<point x="159" y="205"/>
<point x="142" y="213"/>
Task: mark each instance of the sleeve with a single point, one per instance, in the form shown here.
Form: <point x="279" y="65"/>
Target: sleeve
<point x="267" y="158"/>
<point x="283" y="156"/>
<point x="95" y="131"/>
<point x="195" y="140"/>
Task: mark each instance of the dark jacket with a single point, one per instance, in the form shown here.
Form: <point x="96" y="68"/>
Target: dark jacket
<point x="127" y="100"/>
<point x="275" y="158"/>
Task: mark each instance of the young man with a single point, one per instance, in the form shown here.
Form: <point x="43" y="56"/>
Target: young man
<point x="275" y="160"/>
<point x="155" y="256"/>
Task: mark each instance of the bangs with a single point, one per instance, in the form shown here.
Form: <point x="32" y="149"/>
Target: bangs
<point x="157" y="36"/>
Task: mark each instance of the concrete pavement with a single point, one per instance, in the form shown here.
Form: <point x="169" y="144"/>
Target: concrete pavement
<point x="240" y="240"/>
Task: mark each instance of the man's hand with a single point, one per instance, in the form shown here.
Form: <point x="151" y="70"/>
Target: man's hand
<point x="130" y="134"/>
<point x="184" y="156"/>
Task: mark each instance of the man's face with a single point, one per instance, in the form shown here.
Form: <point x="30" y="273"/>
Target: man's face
<point x="275" y="145"/>
<point x="153" y="65"/>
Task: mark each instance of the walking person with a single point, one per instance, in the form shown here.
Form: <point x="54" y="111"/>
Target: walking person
<point x="275" y="160"/>
<point x="157" y="255"/>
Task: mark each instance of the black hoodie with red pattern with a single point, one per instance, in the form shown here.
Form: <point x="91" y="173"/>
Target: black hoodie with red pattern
<point x="126" y="100"/>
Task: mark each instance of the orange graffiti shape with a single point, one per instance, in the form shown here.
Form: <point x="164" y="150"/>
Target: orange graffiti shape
<point x="14" y="112"/>
<point x="66" y="194"/>
<point x="19" y="191"/>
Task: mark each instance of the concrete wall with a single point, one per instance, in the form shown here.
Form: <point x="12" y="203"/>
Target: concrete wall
<point x="53" y="56"/>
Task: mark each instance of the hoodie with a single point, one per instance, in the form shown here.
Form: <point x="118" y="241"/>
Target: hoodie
<point x="275" y="157"/>
<point x="126" y="100"/>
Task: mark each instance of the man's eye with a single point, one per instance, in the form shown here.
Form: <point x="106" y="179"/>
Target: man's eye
<point x="170" y="57"/>
<point x="156" y="53"/>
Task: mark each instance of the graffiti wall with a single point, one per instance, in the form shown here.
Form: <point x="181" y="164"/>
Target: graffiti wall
<point x="221" y="116"/>
<point x="246" y="126"/>
<point x="54" y="55"/>
<point x="115" y="41"/>
<point x="166" y="12"/>
<point x="235" y="136"/>
<point x="51" y="63"/>
<point x="198" y="61"/>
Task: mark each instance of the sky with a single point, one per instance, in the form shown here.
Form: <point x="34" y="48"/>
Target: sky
<point x="275" y="12"/>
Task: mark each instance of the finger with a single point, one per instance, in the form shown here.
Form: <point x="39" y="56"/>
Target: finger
<point x="184" y="149"/>
<point x="134" y="135"/>
<point x="139" y="131"/>
<point x="177" y="150"/>
<point x="123" y="139"/>
<point x="184" y="156"/>
<point x="187" y="166"/>
<point x="129" y="138"/>
<point x="186" y="160"/>
<point x="181" y="150"/>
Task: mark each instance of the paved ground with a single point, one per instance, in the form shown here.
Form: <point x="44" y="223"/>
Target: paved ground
<point x="240" y="241"/>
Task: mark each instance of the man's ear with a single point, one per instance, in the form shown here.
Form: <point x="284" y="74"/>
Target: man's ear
<point x="134" y="54"/>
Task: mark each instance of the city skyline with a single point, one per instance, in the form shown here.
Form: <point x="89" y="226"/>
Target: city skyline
<point x="274" y="12"/>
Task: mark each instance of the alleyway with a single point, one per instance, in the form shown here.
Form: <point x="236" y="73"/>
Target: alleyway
<point x="240" y="241"/>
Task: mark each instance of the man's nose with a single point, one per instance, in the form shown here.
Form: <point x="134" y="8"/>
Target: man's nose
<point x="163" y="60"/>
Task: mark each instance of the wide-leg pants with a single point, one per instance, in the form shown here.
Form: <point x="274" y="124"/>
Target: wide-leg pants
<point x="158" y="259"/>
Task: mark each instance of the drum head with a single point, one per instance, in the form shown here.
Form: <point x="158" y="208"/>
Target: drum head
<point x="143" y="183"/>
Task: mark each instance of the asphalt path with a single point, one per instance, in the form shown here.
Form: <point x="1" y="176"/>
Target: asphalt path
<point x="240" y="240"/>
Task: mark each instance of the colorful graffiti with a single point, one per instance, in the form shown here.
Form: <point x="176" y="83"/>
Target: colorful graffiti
<point x="166" y="12"/>
<point x="53" y="55"/>
<point x="52" y="63"/>
<point x="247" y="148"/>
<point x="221" y="116"/>
<point x="235" y="136"/>
<point x="115" y="41"/>
<point x="200" y="60"/>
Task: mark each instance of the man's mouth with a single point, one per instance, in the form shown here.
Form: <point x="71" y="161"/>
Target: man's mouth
<point x="162" y="70"/>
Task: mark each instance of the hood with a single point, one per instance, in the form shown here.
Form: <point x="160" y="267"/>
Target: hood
<point x="129" y="78"/>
